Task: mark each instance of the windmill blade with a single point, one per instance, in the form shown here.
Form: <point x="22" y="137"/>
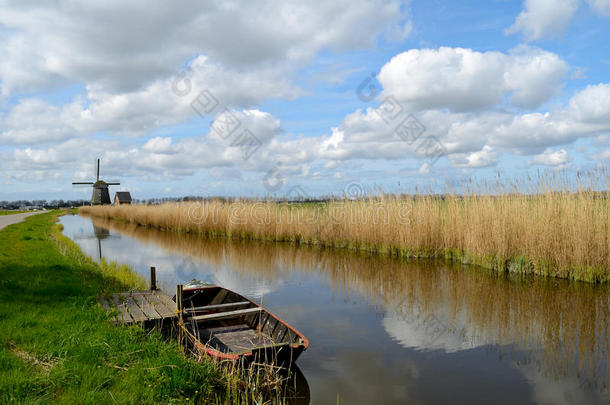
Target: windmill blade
<point x="113" y="182"/>
<point x="81" y="184"/>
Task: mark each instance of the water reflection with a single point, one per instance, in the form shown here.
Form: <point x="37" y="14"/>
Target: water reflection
<point x="452" y="323"/>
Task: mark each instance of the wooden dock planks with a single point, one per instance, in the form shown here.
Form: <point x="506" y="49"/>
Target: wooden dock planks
<point x="140" y="307"/>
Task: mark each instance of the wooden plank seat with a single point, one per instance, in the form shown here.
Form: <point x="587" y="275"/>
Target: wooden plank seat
<point x="239" y="338"/>
<point x="224" y="315"/>
<point x="218" y="306"/>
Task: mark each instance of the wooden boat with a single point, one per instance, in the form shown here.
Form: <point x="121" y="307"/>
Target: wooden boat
<point x="227" y="325"/>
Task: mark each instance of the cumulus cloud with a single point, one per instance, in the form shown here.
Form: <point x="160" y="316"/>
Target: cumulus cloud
<point x="161" y="103"/>
<point x="544" y="19"/>
<point x="156" y="155"/>
<point x="148" y="67"/>
<point x="470" y="140"/>
<point x="123" y="47"/>
<point x="159" y="145"/>
<point x="129" y="58"/>
<point x="482" y="158"/>
<point x="473" y="139"/>
<point x="592" y="105"/>
<point x="552" y="158"/>
<point x="466" y="80"/>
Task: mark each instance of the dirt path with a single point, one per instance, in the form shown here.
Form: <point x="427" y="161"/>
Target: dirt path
<point x="6" y="220"/>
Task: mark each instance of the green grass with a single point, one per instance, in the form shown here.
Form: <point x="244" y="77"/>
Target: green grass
<point x="56" y="344"/>
<point x="5" y="212"/>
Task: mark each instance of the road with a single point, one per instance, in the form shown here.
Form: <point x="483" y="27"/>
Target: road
<point x="6" y="220"/>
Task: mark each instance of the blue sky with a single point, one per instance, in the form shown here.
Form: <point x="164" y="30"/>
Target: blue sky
<point x="505" y="87"/>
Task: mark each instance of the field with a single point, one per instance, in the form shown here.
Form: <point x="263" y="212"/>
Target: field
<point x="557" y="229"/>
<point x="57" y="345"/>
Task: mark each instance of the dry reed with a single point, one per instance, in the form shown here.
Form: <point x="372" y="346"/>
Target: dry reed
<point x="557" y="227"/>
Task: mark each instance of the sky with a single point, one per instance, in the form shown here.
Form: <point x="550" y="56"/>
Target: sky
<point x="298" y="99"/>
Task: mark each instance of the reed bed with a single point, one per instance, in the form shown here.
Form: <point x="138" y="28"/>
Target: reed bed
<point x="549" y="225"/>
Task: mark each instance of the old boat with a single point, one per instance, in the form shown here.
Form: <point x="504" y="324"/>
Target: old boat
<point x="226" y="325"/>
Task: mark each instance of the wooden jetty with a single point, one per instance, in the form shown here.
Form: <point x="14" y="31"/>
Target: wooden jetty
<point x="150" y="308"/>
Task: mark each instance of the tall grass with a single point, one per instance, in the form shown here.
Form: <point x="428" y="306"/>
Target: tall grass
<point x="549" y="225"/>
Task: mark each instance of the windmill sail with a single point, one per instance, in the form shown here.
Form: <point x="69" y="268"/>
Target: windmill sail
<point x="100" y="193"/>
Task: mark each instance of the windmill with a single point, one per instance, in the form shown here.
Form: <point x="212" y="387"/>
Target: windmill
<point x="100" y="194"/>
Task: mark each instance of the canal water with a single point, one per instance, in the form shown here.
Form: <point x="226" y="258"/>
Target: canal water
<point x="387" y="331"/>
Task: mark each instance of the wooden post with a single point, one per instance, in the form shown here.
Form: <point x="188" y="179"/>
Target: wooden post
<point x="179" y="298"/>
<point x="179" y="310"/>
<point x="153" y="278"/>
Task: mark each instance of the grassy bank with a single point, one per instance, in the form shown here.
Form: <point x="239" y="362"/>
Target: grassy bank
<point x="57" y="345"/>
<point x="550" y="233"/>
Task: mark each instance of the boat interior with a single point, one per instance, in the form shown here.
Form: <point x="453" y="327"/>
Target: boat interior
<point x="229" y="323"/>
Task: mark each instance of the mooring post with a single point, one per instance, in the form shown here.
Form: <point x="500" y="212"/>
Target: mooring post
<point x="179" y="310"/>
<point x="153" y="278"/>
<point x="179" y="298"/>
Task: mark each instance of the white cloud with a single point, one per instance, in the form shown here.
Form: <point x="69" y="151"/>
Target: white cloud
<point x="263" y="125"/>
<point x="157" y="155"/>
<point x="592" y="105"/>
<point x="123" y="47"/>
<point x="483" y="158"/>
<point x="465" y="80"/>
<point x="159" y="145"/>
<point x="141" y="111"/>
<point x="600" y="6"/>
<point x="544" y="19"/>
<point x="128" y="56"/>
<point x="473" y="139"/>
<point x="552" y="158"/>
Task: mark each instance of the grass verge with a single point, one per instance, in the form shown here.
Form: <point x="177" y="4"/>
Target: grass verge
<point x="7" y="212"/>
<point x="56" y="345"/>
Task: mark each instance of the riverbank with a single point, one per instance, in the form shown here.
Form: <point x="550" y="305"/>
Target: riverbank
<point x="58" y="346"/>
<point x="554" y="234"/>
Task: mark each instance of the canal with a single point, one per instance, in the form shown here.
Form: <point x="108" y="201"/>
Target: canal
<point x="388" y="331"/>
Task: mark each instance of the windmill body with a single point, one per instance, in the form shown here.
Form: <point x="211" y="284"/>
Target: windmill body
<point x="100" y="195"/>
